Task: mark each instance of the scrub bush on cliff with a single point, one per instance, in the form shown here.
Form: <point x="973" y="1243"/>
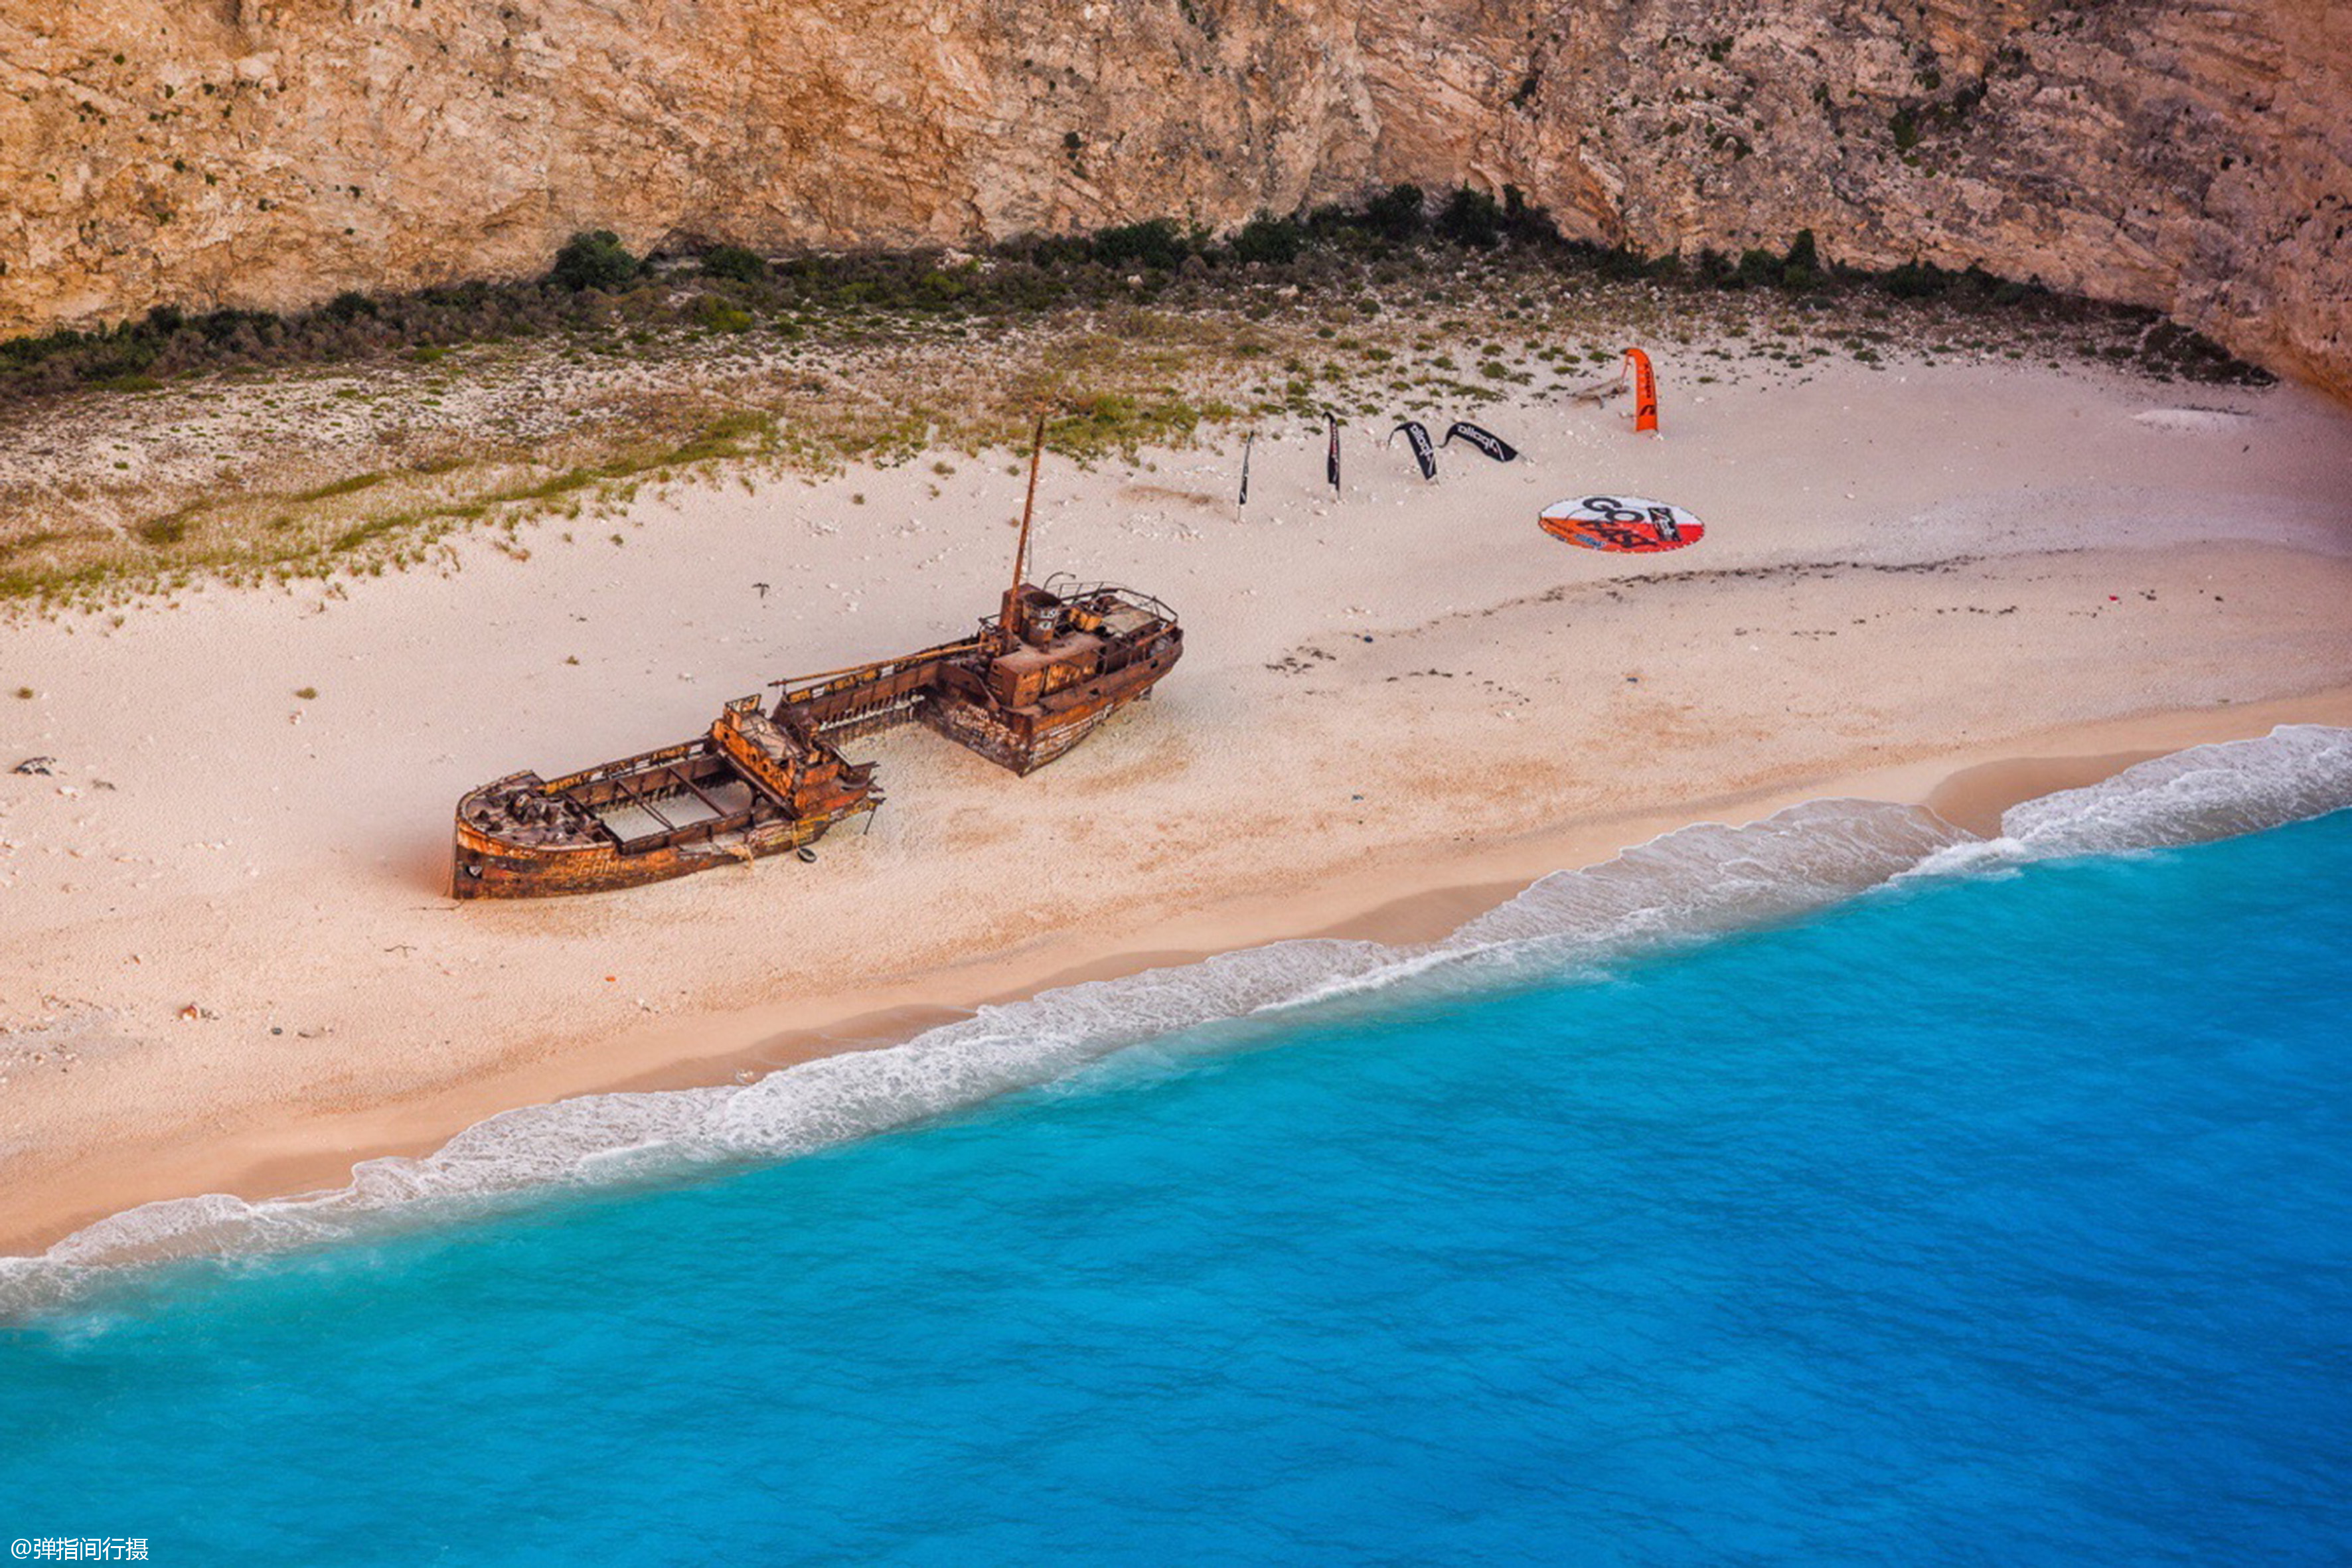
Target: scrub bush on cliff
<point x="1472" y="218"/>
<point x="1158" y="244"/>
<point x="1275" y="241"/>
<point x="1801" y="267"/>
<point x="1397" y="213"/>
<point x="593" y="260"/>
<point x="734" y="262"/>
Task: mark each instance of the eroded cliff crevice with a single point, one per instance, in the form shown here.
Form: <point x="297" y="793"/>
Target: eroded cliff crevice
<point x="270" y="154"/>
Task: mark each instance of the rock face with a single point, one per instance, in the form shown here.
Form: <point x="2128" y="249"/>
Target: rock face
<point x="270" y="154"/>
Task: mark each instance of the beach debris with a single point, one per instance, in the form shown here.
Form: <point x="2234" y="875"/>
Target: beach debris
<point x="1599" y="392"/>
<point x="1485" y="440"/>
<point x="45" y="766"/>
<point x="806" y="856"/>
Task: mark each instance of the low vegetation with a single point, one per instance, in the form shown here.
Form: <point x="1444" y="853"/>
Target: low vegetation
<point x="360" y="435"/>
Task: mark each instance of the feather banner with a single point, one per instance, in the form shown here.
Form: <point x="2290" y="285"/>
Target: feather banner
<point x="1486" y="441"/>
<point x="1416" y="435"/>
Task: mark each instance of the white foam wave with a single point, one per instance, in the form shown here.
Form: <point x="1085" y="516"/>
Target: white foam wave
<point x="2206" y="793"/>
<point x="1684" y="885"/>
<point x="2296" y="771"/>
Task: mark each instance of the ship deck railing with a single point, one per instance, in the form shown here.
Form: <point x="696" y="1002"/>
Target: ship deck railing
<point x="800" y="690"/>
<point x="642" y="761"/>
<point x="1066" y="587"/>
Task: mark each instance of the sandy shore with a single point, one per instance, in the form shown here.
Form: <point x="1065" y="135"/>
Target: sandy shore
<point x="226" y="958"/>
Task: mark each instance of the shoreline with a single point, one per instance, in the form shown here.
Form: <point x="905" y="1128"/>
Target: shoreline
<point x="1966" y="787"/>
<point x="230" y="961"/>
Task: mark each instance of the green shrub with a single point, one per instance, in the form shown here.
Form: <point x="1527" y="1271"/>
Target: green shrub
<point x="732" y="261"/>
<point x="1396" y="212"/>
<point x="593" y="260"/>
<point x="722" y="317"/>
<point x="1276" y="241"/>
<point x="1801" y="267"/>
<point x="1915" y="281"/>
<point x="1523" y="222"/>
<point x="1758" y="269"/>
<point x="936" y="288"/>
<point x="1157" y="243"/>
<point x="1471" y="217"/>
<point x="221" y="326"/>
<point x="350" y="306"/>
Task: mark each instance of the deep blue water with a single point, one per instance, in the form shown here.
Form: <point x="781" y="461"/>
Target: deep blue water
<point x="1997" y="1221"/>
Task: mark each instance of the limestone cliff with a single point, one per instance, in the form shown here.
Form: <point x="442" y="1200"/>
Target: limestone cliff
<point x="2196" y="157"/>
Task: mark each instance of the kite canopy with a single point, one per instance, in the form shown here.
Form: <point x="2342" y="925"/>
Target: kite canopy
<point x="1624" y="524"/>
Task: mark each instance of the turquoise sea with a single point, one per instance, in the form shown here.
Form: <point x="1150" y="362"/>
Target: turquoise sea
<point x="1838" y="1191"/>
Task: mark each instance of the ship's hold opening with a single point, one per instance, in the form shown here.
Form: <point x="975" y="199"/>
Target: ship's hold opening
<point x="656" y="812"/>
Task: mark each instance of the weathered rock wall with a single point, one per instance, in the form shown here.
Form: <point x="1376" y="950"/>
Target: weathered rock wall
<point x="2196" y="157"/>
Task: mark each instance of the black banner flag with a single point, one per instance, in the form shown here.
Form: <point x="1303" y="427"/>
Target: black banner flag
<point x="1331" y="458"/>
<point x="1247" y="442"/>
<point x="1486" y="441"/>
<point x="1417" y="433"/>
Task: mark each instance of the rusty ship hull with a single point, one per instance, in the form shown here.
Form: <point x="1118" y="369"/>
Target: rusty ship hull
<point x="1043" y="673"/>
<point x="490" y="868"/>
<point x="747" y="789"/>
<point x="1025" y="737"/>
<point x="1038" y="678"/>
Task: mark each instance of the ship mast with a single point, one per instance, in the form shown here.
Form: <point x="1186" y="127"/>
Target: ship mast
<point x="1015" y="619"/>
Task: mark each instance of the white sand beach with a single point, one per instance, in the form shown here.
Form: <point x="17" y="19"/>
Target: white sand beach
<point x="228" y="958"/>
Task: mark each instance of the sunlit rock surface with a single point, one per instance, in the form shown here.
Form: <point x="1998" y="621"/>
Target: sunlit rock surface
<point x="270" y="154"/>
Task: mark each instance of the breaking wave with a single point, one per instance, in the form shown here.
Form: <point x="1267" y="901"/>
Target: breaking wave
<point x="2221" y="790"/>
<point x="1683" y="887"/>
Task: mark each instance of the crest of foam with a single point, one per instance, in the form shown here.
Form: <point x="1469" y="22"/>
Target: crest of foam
<point x="2296" y="771"/>
<point x="2218" y="791"/>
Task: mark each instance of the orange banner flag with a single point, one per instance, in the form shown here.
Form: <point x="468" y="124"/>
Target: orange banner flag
<point x="1646" y="391"/>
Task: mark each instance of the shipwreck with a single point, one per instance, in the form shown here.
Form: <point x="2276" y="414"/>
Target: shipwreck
<point x="1041" y="674"/>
